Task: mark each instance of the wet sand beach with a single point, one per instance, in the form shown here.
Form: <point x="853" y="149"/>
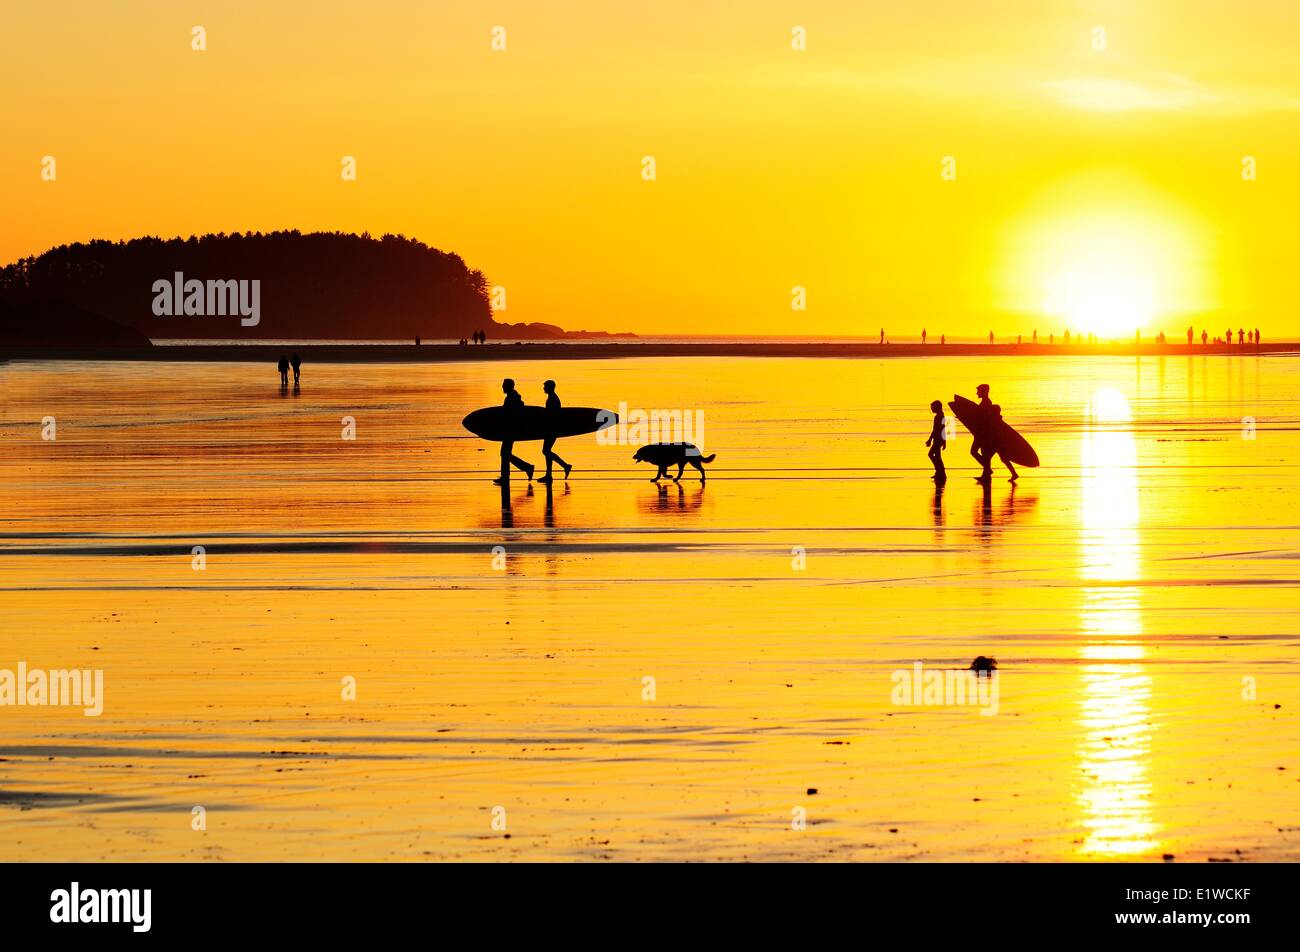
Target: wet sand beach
<point x="1139" y="592"/>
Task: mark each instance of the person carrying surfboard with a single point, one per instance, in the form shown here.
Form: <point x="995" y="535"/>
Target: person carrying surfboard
<point x="977" y="447"/>
<point x="514" y="405"/>
<point x="548" y="444"/>
<point x="985" y="444"/>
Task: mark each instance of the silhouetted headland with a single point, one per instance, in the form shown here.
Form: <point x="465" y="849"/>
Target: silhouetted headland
<point x="281" y="286"/>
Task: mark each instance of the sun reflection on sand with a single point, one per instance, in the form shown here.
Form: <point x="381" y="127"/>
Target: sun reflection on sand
<point x="1114" y="715"/>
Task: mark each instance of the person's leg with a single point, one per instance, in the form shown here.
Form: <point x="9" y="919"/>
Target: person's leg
<point x="521" y="465"/>
<point x="548" y="450"/>
<point x="506" y="455"/>
<point x="547" y="455"/>
<point x="1007" y="463"/>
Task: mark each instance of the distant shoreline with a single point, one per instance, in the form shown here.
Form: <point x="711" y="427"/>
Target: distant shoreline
<point x="557" y="350"/>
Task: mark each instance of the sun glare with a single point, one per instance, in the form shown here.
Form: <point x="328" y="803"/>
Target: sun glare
<point x="1107" y="257"/>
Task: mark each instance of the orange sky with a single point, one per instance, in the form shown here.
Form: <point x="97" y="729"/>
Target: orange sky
<point x="1092" y="168"/>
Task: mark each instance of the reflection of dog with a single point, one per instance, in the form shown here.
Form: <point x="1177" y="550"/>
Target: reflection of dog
<point x="664" y="455"/>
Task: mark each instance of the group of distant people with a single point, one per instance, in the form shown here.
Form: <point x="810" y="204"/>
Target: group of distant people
<point x="285" y="364"/>
<point x="1243" y="337"/>
<point x="514" y="405"/>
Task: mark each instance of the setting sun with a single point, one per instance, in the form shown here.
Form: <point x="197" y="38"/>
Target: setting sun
<point x="1109" y="256"/>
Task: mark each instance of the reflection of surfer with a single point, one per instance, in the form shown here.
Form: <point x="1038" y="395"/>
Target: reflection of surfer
<point x="514" y="405"/>
<point x="548" y="444"/>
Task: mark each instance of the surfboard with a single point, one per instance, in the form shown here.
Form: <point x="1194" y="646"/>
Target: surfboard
<point x="536" y="423"/>
<point x="1010" y="445"/>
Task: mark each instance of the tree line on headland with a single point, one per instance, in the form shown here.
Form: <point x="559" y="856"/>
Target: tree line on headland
<point x="309" y="286"/>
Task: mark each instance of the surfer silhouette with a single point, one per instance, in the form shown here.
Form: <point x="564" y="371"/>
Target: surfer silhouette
<point x="985" y="446"/>
<point x="514" y="405"/>
<point x="977" y="448"/>
<point x="548" y="444"/>
<point x="936" y="442"/>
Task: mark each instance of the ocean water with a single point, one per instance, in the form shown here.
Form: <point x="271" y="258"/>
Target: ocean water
<point x="377" y="654"/>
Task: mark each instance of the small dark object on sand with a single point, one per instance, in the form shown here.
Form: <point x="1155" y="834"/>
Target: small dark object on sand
<point x="811" y="791"/>
<point x="984" y="664"/>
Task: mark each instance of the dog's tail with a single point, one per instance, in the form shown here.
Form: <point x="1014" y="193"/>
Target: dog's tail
<point x="709" y="459"/>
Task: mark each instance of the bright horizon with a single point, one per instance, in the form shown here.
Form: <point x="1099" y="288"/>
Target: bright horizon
<point x="1098" y="178"/>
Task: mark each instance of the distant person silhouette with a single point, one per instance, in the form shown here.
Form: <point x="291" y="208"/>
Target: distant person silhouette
<point x="990" y="337"/>
<point x="1034" y="339"/>
<point x="1241" y="336"/>
<point x="1205" y="336"/>
<point x="936" y="442"/>
<point x="296" y="363"/>
<point x="514" y="405"/>
<point x="1257" y="337"/>
<point x="1189" y="337"/>
<point x="943" y="338"/>
<point x="552" y="407"/>
<point x="882" y="335"/>
<point x="922" y="335"/>
<point x="284" y="370"/>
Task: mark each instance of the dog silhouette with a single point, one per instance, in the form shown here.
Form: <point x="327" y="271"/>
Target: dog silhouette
<point x="664" y="455"/>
